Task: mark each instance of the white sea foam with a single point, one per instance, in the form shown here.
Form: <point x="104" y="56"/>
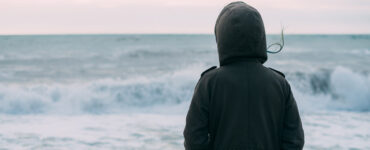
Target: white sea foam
<point x="102" y="96"/>
<point x="351" y="88"/>
<point x="329" y="130"/>
<point x="342" y="89"/>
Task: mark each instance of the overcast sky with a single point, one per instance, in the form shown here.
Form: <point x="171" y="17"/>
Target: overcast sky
<point x="177" y="16"/>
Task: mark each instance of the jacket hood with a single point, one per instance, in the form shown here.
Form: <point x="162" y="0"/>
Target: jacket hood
<point x="240" y="34"/>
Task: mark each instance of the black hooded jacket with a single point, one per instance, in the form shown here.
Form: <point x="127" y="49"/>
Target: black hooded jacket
<point x="242" y="105"/>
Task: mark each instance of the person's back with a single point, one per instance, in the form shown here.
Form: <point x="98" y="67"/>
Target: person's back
<point x="242" y="105"/>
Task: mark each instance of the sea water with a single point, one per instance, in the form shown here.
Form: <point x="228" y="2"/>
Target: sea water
<point x="132" y="92"/>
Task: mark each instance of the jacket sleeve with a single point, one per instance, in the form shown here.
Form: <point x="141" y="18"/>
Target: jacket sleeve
<point x="293" y="135"/>
<point x="196" y="128"/>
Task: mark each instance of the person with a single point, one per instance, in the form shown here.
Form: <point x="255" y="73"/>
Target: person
<point x="242" y="104"/>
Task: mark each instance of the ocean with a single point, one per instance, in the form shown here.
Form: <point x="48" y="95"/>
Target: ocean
<point x="132" y="92"/>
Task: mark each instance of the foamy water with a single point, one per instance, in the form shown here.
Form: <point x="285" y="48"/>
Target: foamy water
<point x="133" y="91"/>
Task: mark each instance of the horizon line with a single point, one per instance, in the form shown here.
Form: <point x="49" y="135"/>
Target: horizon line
<point x="46" y="34"/>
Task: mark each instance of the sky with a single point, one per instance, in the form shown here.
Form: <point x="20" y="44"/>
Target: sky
<point x="177" y="16"/>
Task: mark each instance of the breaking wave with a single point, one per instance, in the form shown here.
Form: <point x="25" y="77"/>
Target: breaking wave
<point x="337" y="89"/>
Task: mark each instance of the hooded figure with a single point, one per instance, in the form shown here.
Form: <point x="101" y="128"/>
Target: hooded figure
<point x="242" y="105"/>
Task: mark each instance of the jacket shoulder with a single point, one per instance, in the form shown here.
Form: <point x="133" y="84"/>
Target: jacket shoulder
<point x="278" y="72"/>
<point x="206" y="71"/>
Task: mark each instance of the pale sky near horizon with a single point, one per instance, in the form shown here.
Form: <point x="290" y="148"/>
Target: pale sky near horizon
<point x="177" y="16"/>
